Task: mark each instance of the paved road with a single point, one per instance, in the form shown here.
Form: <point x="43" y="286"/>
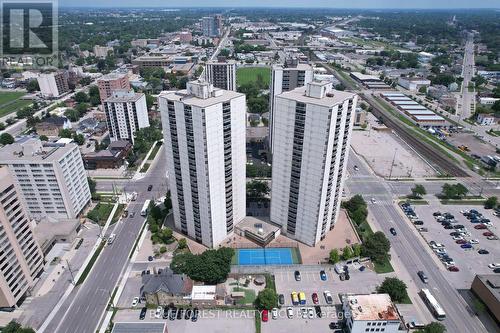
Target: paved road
<point x="88" y="302"/>
<point x="412" y="253"/>
<point x="466" y="104"/>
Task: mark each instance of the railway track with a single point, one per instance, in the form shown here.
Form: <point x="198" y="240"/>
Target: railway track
<point x="440" y="161"/>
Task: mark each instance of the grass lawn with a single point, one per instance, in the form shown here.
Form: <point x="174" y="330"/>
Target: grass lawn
<point x="11" y="103"/>
<point x="118" y="213"/>
<point x="102" y="210"/>
<point x="385" y="267"/>
<point x="145" y="167"/>
<point x="246" y="75"/>
<point x="249" y="295"/>
<point x="90" y="264"/>
<point x="155" y="151"/>
<point x="9" y="96"/>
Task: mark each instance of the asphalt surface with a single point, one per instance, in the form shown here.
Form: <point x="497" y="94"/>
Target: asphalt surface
<point x="466" y="104"/>
<point x="83" y="310"/>
<point x="410" y="251"/>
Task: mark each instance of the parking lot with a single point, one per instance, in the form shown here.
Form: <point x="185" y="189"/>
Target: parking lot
<point x="468" y="261"/>
<point x="283" y="324"/>
<point x="213" y="321"/>
<point x="361" y="282"/>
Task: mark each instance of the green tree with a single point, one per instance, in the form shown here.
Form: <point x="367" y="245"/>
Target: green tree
<point x="81" y="108"/>
<point x="72" y="114"/>
<point x="376" y="246"/>
<point x="44" y="138"/>
<point x="92" y="185"/>
<point x="453" y="191"/>
<point x="418" y="191"/>
<point x="347" y="253"/>
<point x="422" y="90"/>
<point x="257" y="189"/>
<point x="6" y="139"/>
<point x="182" y="243"/>
<point x="79" y="139"/>
<point x="356" y="249"/>
<point x="32" y="86"/>
<point x="94" y="98"/>
<point x="266" y="299"/>
<point x="81" y="97"/>
<point x="334" y="256"/>
<point x="491" y="202"/>
<point x="65" y="133"/>
<point x="167" y="202"/>
<point x="395" y="288"/>
<point x="433" y="327"/>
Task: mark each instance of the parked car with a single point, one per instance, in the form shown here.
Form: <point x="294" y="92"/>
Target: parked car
<point x="423" y="229"/>
<point x="265" y="315"/>
<point x="483" y="251"/>
<point x="289" y="312"/>
<point x="188" y="313"/>
<point x="303" y="312"/>
<point x="150" y="187"/>
<point x="474" y="241"/>
<point x="466" y="246"/>
<point x="142" y="315"/>
<point x="492" y="237"/>
<point x="494" y="265"/>
<point x="173" y="313"/>
<point x="317" y="309"/>
<point x="196" y="312"/>
<point x="281" y="299"/>
<point x="496" y="270"/>
<point x="297" y="275"/>
<point x="135" y="301"/>
<point x="436" y="214"/>
<point x="180" y="313"/>
<point x="274" y="313"/>
<point x="322" y="275"/>
<point x="488" y="233"/>
<point x="456" y="238"/>
<point x="418" y="222"/>
<point x="461" y="241"/>
<point x="310" y="313"/>
<point x="480" y="227"/>
<point x="393" y="231"/>
<point x="158" y="312"/>
<point x="453" y="269"/>
<point x="328" y="297"/>
<point x="315" y="298"/>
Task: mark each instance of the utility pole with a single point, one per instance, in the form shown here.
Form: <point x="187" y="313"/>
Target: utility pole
<point x="392" y="164"/>
<point x="71" y="272"/>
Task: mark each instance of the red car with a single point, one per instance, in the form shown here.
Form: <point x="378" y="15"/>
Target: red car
<point x="315" y="298"/>
<point x="488" y="233"/>
<point x="453" y="269"/>
<point x="461" y="241"/>
<point x="480" y="226"/>
<point x="265" y="315"/>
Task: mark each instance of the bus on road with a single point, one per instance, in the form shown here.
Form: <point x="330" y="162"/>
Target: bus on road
<point x="145" y="207"/>
<point x="432" y="304"/>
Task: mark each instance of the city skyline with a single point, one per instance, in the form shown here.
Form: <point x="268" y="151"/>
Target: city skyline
<point x="343" y="4"/>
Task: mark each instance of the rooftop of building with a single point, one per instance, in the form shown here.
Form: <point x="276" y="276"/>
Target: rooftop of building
<point x="331" y="98"/>
<point x="201" y="94"/>
<point x="112" y="76"/>
<point x="53" y="120"/>
<point x="33" y="150"/>
<point x="492" y="282"/>
<point x="372" y="307"/>
<point x="124" y="96"/>
<point x="166" y="281"/>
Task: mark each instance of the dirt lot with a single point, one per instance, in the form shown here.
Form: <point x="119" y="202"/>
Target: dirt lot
<point x="380" y="148"/>
<point x="475" y="145"/>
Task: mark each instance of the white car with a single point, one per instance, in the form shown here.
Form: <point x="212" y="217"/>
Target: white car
<point x="135" y="301"/>
<point x="474" y="241"/>
<point x="373" y="200"/>
<point x="440" y="251"/>
<point x="158" y="312"/>
<point x="310" y="312"/>
<point x="274" y="313"/>
<point x="304" y="313"/>
<point x="464" y="211"/>
<point x="458" y="238"/>
<point x="289" y="312"/>
<point x="494" y="265"/>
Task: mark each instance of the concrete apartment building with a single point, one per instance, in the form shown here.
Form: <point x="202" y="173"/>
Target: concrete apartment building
<point x="313" y="126"/>
<point x="111" y="82"/>
<point x="286" y="77"/>
<point x="371" y="313"/>
<point x="50" y="176"/>
<point x="221" y="74"/>
<point x="53" y="85"/>
<point x="211" y="26"/>
<point x="204" y="130"/>
<point x="487" y="289"/>
<point x="126" y="112"/>
<point x="21" y="257"/>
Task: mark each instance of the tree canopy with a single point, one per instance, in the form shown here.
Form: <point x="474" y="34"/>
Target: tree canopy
<point x="376" y="246"/>
<point x="211" y="266"/>
<point x="395" y="288"/>
<point x="266" y="299"/>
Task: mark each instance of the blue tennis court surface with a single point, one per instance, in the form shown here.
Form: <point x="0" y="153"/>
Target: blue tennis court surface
<point x="273" y="256"/>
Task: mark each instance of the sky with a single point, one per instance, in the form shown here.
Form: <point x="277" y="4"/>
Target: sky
<point x="431" y="4"/>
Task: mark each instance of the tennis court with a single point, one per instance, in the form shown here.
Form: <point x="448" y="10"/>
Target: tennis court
<point x="271" y="256"/>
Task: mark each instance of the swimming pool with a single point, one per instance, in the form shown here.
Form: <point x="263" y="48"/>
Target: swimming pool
<point x="263" y="256"/>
